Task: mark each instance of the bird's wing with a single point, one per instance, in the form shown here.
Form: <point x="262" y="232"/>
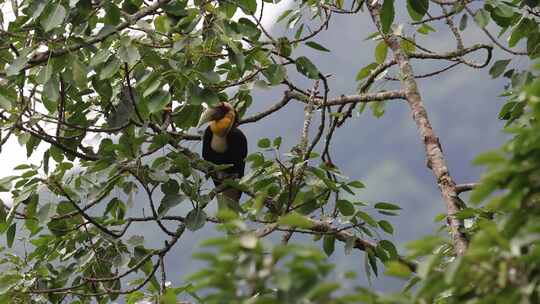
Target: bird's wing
<point x="207" y="138"/>
<point x="240" y="144"/>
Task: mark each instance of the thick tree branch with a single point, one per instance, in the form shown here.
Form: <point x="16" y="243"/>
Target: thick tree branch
<point x="435" y="157"/>
<point x="346" y="99"/>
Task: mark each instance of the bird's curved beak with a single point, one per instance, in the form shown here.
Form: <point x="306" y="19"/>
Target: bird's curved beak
<point x="207" y="116"/>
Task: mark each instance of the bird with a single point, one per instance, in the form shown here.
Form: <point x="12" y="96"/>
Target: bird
<point x="224" y="144"/>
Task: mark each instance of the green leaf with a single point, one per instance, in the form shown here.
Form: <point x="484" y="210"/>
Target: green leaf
<point x="381" y="51"/>
<point x="100" y="57"/>
<point x="210" y="76"/>
<point x="504" y="10"/>
<point x="248" y="6"/>
<point x="44" y="74"/>
<point x="284" y="46"/>
<point x="315" y="45"/>
<point x="390" y="248"/>
<point x="158" y="101"/>
<point x="37" y="7"/>
<point x="397" y="269"/>
<point x="170" y="187"/>
<point x="122" y="112"/>
<point x="228" y="8"/>
<point x="294" y="219"/>
<point x="366" y="218"/>
<point x="18" y="64"/>
<point x="463" y="22"/>
<point x="51" y="89"/>
<point x="372" y="261"/>
<point x="466" y="213"/>
<point x="366" y="71"/>
<point x="110" y="68"/>
<point x="129" y="54"/>
<point x="54" y="18"/>
<point x="238" y="59"/>
<point x="275" y="73"/>
<point x="44" y="213"/>
<point x="195" y="219"/>
<point x="323" y="290"/>
<point x="424" y="245"/>
<point x="169" y="297"/>
<point x="522" y="30"/>
<point x="329" y="242"/>
<point x="151" y="84"/>
<point x="408" y="45"/>
<point x="210" y="97"/>
<point x="31" y="145"/>
<point x="277" y="142"/>
<point x="163" y="24"/>
<point x="10" y="235"/>
<point x="488" y="158"/>
<point x="357" y="184"/>
<point x="420" y="8"/>
<point x="306" y="67"/>
<point x="249" y="28"/>
<point x="482" y="17"/>
<point x="387" y="206"/>
<point x="168" y="202"/>
<point x="112" y="15"/>
<point x="284" y="15"/>
<point x="46" y="156"/>
<point x="425" y="29"/>
<point x="345" y="207"/>
<point x="7" y="281"/>
<point x="3" y="213"/>
<point x="134" y="297"/>
<point x="7" y="98"/>
<point x="386" y="226"/>
<point x="264" y="143"/>
<point x="79" y="72"/>
<point x="387" y="15"/>
<point x="498" y="68"/>
<point x="482" y="191"/>
<point x="533" y="45"/>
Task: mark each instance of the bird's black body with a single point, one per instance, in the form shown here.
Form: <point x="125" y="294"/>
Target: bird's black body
<point x="235" y="154"/>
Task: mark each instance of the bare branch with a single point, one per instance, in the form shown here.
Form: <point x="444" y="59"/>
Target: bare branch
<point x="466" y="187"/>
<point x="346" y="99"/>
<point x="276" y="107"/>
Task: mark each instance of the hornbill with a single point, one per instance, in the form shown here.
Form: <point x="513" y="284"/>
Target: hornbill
<point x="224" y="144"/>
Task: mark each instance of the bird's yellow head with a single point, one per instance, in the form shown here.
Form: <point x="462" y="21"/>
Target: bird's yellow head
<point x="221" y="118"/>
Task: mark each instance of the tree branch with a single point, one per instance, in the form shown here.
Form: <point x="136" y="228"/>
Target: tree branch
<point x="466" y="187"/>
<point x="346" y="99"/>
<point x="435" y="157"/>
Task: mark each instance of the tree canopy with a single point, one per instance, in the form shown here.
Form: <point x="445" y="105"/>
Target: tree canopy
<point x="111" y="90"/>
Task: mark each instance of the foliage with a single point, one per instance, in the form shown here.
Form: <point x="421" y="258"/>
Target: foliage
<point x="502" y="261"/>
<point x="109" y="91"/>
